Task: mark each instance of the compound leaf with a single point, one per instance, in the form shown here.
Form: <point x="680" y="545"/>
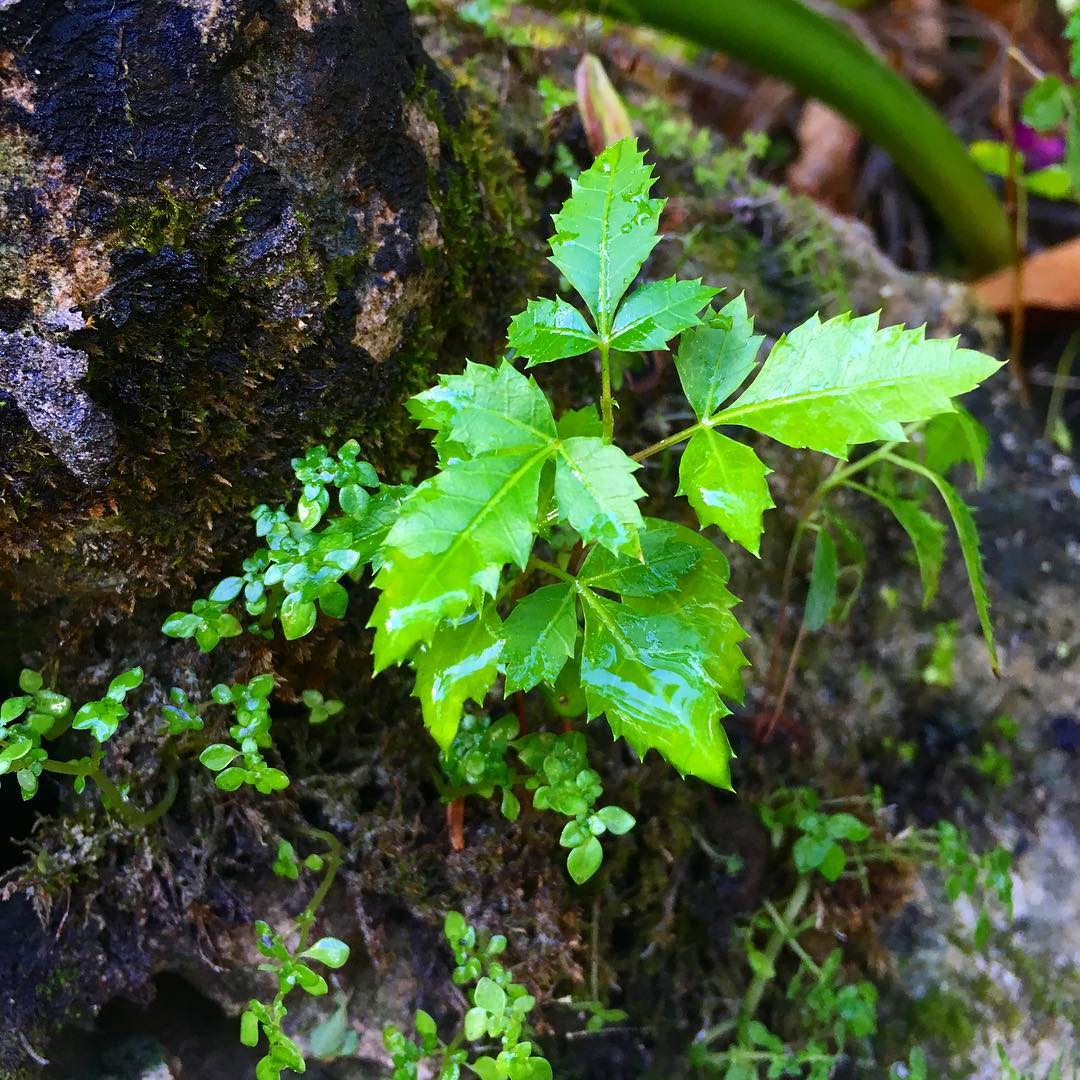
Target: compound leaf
<point x="715" y="358"/>
<point x="596" y="492"/>
<point x="724" y="481"/>
<point x="652" y="315"/>
<point x="550" y="330"/>
<point x="828" y="386"/>
<point x="607" y="228"/>
<point x="460" y="663"/>
<point x="644" y="672"/>
<point x="541" y="635"/>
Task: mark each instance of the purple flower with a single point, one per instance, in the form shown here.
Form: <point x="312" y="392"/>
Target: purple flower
<point x="1039" y="150"/>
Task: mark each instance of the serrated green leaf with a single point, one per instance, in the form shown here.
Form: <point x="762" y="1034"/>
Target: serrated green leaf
<point x="607" y="228"/>
<point x="968" y="535"/>
<point x="926" y="533"/>
<point x="666" y="557"/>
<point x="541" y="635"/>
<point x="486" y="410"/>
<point x="597" y="494"/>
<point x="824" y="575"/>
<point x="829" y="386"/>
<point x="487" y="504"/>
<point x="450" y="543"/>
<point x="645" y="672"/>
<point x="418" y="594"/>
<point x="715" y="358"/>
<point x="653" y="314"/>
<point x="550" y="330"/>
<point x="702" y="599"/>
<point x="724" y="481"/>
<point x="584" y="421"/>
<point x="459" y="664"/>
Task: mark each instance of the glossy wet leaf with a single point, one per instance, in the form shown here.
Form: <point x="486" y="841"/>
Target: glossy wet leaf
<point x="829" y="386"/>
<point x="666" y="558"/>
<point x="725" y="483"/>
<point x="653" y="314"/>
<point x="824" y="575"/>
<point x="329" y="951"/>
<point x="541" y="635"/>
<point x="597" y="494"/>
<point x="486" y="410"/>
<point x="715" y="358"/>
<point x="584" y="860"/>
<point x="217" y="756"/>
<point x="297" y="616"/>
<point x="418" y="594"/>
<point x="450" y="543"/>
<point x="704" y="602"/>
<point x="459" y="664"/>
<point x="644" y="672"/>
<point x="607" y="228"/>
<point x="550" y="330"/>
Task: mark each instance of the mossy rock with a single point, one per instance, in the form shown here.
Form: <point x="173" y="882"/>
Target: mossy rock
<point x="233" y="231"/>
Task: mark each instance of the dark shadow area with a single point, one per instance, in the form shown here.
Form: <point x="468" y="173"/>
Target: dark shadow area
<point x="180" y="1028"/>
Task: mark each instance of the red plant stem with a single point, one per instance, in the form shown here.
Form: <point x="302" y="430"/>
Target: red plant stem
<point x="455" y="823"/>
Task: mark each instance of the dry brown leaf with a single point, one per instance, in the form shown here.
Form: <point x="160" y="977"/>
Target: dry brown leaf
<point x="1050" y="280"/>
<point x="825" y="167"/>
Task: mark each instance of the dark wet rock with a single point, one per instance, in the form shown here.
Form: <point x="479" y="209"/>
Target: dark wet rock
<point x="44" y="380"/>
<point x="223" y="231"/>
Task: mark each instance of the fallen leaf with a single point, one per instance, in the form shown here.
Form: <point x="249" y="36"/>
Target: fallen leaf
<point x="1050" y="280"/>
<point x="825" y="166"/>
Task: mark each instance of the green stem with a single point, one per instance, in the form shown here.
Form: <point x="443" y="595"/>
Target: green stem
<point x="800" y="952"/>
<point x="795" y="904"/>
<point x="549" y="568"/>
<point x="671" y="440"/>
<point x="113" y="798"/>
<point x="824" y="60"/>
<point x="607" y="411"/>
<point x="306" y="919"/>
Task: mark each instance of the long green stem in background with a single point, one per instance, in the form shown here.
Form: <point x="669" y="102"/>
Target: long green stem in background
<point x="824" y="60"/>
